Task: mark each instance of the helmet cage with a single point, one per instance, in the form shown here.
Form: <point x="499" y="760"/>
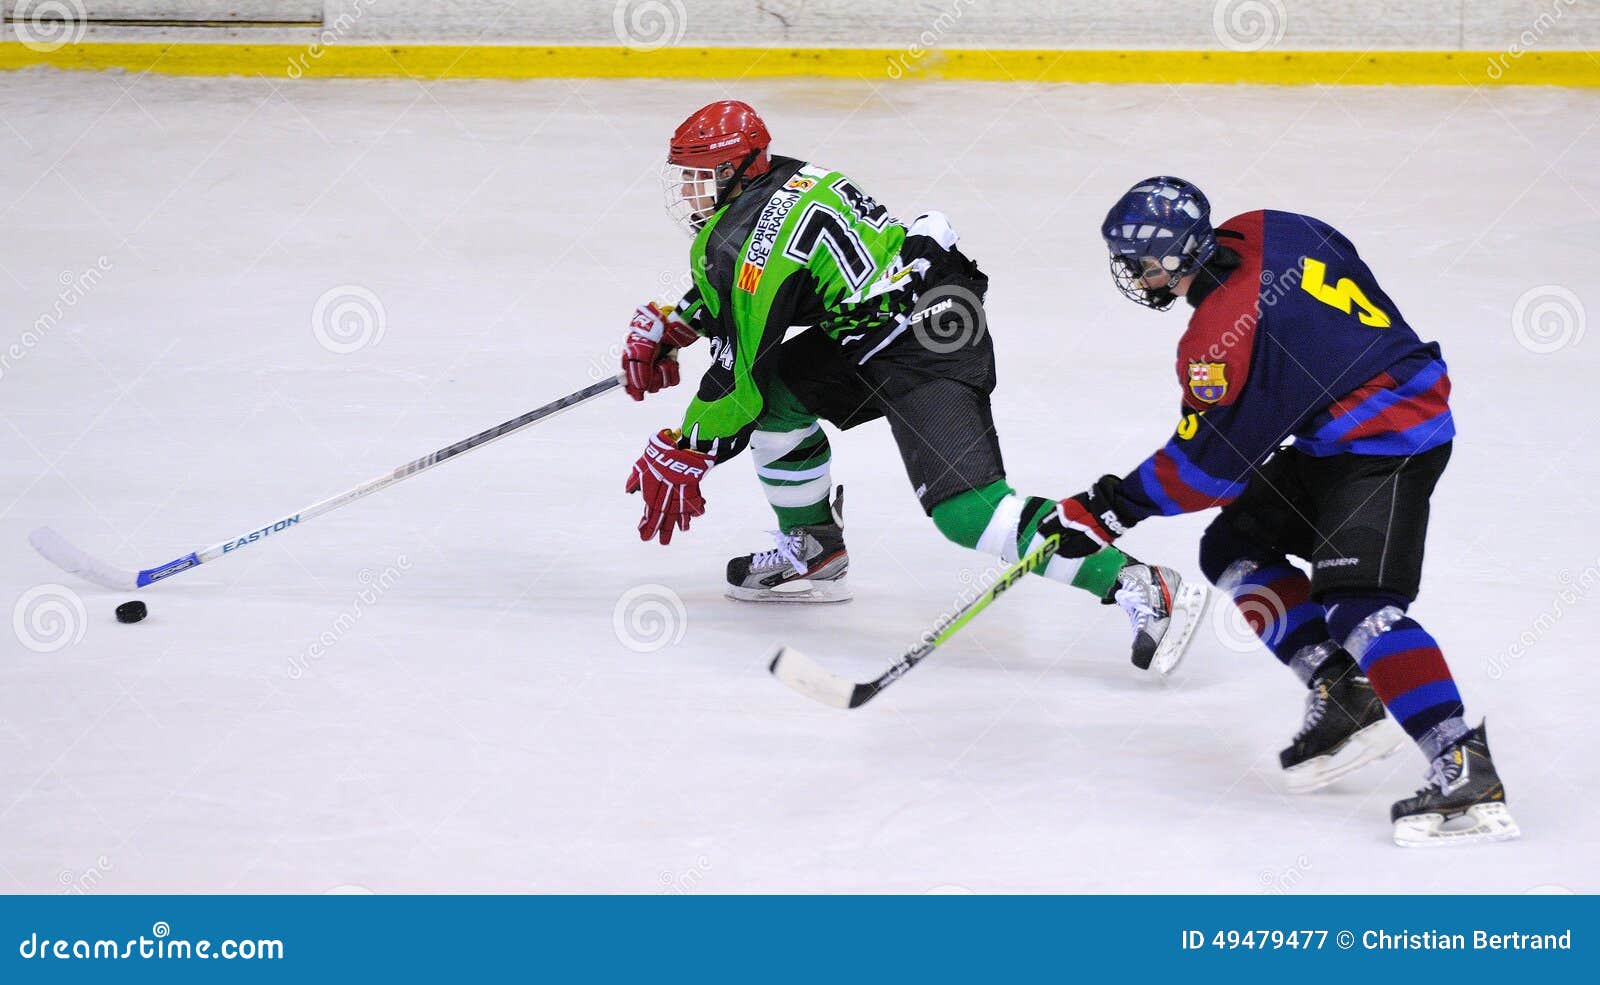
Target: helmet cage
<point x="693" y="194"/>
<point x="1133" y="276"/>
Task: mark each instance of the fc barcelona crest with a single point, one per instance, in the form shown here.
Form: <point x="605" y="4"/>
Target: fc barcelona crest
<point x="1207" y="381"/>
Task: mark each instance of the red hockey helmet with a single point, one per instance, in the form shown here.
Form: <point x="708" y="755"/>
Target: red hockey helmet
<point x="712" y="153"/>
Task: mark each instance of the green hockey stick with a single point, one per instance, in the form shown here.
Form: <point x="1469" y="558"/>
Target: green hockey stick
<point x="808" y="677"/>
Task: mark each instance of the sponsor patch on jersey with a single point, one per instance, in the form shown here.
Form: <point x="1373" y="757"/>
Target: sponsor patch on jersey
<point x="764" y="236"/>
<point x="1207" y="381"/>
<point x="801" y="182"/>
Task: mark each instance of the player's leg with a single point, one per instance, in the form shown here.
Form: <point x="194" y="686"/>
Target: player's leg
<point x="1245" y="553"/>
<point x="1373" y="512"/>
<point x="946" y="434"/>
<point x="808" y="561"/>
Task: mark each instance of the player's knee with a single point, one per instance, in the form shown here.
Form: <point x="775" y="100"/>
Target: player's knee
<point x="957" y="519"/>
<point x="977" y="517"/>
<point x="1356" y="616"/>
<point x="1220" y="548"/>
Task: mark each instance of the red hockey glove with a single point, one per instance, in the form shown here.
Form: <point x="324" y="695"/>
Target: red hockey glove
<point x="669" y="478"/>
<point x="648" y="361"/>
<point x="1087" y="522"/>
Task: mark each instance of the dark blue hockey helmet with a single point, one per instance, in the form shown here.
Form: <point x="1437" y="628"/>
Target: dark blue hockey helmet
<point x="1158" y="233"/>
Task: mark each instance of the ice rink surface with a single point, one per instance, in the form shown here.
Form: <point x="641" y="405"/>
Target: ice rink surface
<point x="452" y="686"/>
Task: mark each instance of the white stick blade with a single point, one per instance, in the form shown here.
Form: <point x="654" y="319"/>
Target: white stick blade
<point x="808" y="677"/>
<point x="59" y="552"/>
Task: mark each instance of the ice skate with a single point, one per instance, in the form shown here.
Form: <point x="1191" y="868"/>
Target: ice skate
<point x="1345" y="727"/>
<point x="1464" y="800"/>
<point x="1163" y="610"/>
<point x="806" y="564"/>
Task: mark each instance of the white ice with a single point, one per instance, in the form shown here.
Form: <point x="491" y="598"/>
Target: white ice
<point x="481" y="724"/>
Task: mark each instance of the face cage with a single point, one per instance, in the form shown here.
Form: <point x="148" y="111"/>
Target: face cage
<point x="691" y="194"/>
<point x="1128" y="274"/>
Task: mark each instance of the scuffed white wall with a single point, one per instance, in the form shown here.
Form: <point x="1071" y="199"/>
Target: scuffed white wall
<point x="1295" y="24"/>
<point x="1247" y="25"/>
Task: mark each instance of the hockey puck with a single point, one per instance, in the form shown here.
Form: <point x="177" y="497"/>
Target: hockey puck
<point x="131" y="611"/>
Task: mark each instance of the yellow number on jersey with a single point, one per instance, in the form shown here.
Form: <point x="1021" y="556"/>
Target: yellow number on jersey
<point x="1341" y="295"/>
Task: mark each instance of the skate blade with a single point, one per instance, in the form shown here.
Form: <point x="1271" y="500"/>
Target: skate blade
<point x="1369" y="745"/>
<point x="804" y="590"/>
<point x="1188" y="603"/>
<point x="1480" y="822"/>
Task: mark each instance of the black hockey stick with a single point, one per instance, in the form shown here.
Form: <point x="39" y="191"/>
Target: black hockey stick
<point x="811" y="679"/>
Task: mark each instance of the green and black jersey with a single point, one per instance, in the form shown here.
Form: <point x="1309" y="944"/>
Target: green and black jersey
<point x="802" y="245"/>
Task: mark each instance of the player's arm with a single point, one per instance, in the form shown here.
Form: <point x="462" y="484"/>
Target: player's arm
<point x="720" y="418"/>
<point x="1224" y="431"/>
<point x="722" y="415"/>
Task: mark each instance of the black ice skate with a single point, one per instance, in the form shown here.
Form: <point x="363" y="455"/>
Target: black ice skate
<point x="807" y="564"/>
<point x="1463" y="801"/>
<point x="1163" y="610"/>
<point x="1345" y="727"/>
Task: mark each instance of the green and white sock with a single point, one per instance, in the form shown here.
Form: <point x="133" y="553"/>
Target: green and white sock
<point x="998" y="521"/>
<point x="793" y="469"/>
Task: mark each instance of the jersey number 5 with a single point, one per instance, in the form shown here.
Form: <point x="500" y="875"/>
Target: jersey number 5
<point x="1341" y="295"/>
<point x="822" y="225"/>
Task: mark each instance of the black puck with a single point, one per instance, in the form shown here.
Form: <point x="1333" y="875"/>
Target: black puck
<point x="131" y="611"/>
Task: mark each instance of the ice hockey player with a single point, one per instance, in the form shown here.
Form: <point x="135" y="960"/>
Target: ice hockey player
<point x="1292" y="340"/>
<point x="896" y="330"/>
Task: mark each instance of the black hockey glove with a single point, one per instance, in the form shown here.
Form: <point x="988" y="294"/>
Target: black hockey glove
<point x="1087" y="522"/>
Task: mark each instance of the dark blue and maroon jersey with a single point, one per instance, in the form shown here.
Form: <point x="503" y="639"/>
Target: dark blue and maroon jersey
<point x="1297" y="342"/>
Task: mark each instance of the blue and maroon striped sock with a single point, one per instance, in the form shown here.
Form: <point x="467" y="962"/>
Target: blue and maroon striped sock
<point x="1274" y="597"/>
<point x="1405" y="666"/>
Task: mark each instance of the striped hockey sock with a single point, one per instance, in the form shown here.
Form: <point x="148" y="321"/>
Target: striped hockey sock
<point x="1407" y="670"/>
<point x="998" y="521"/>
<point x="1274" y="597"/>
<point x="793" y="468"/>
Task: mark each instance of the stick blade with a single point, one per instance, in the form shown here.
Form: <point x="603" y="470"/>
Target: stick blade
<point x="811" y="679"/>
<point x="60" y="552"/>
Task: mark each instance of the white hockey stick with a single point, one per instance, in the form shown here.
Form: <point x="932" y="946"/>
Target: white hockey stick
<point x="58" y="551"/>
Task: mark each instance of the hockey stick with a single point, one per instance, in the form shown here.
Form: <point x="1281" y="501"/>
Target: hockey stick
<point x="58" y="551"/>
<point x="811" y="679"/>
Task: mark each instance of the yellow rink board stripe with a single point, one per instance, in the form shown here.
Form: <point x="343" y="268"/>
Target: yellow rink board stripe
<point x="438" y="61"/>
